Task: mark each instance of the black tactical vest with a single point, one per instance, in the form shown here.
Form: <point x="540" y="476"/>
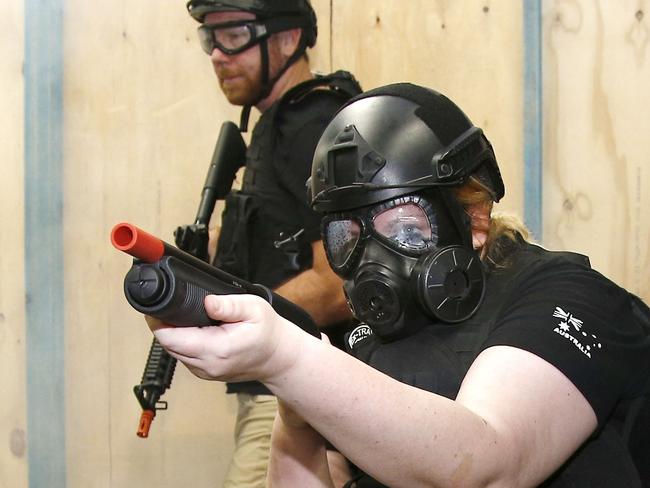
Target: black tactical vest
<point x="260" y="241"/>
<point x="255" y="243"/>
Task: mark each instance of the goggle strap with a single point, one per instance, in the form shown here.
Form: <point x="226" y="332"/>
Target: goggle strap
<point x="267" y="84"/>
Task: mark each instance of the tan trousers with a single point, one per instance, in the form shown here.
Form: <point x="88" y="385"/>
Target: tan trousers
<point x="255" y="415"/>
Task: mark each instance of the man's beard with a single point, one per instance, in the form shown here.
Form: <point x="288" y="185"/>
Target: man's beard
<point x="239" y="88"/>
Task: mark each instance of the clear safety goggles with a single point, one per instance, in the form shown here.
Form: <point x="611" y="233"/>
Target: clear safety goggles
<point x="406" y="224"/>
<point x="236" y="36"/>
<point x="231" y="37"/>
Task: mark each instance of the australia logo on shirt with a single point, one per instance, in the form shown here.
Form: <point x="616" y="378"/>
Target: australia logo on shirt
<point x="570" y="328"/>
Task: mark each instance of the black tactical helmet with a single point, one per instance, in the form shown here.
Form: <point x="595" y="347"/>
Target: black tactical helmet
<point x="396" y="140"/>
<point x="263" y="9"/>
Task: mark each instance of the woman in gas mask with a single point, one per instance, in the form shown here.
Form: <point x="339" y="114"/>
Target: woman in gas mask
<point x="481" y="359"/>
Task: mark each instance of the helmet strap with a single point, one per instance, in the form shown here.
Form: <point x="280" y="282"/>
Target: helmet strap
<point x="267" y="81"/>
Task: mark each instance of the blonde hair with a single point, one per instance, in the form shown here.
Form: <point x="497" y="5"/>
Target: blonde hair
<point x="475" y="197"/>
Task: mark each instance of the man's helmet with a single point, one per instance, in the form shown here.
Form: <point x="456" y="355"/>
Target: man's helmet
<point x="384" y="173"/>
<point x="263" y="9"/>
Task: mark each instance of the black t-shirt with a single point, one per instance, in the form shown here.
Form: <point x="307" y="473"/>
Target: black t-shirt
<point x="593" y="331"/>
<point x="582" y="323"/>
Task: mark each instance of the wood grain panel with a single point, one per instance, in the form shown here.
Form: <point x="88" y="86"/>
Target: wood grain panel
<point x="13" y="413"/>
<point x="321" y="56"/>
<point x="143" y="112"/>
<point x="597" y="173"/>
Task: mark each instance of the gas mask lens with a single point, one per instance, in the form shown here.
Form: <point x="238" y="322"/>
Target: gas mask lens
<point x="405" y="226"/>
<point x="230" y="37"/>
<point x="341" y="237"/>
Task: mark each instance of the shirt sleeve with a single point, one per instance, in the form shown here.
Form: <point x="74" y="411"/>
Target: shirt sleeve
<point x="581" y="323"/>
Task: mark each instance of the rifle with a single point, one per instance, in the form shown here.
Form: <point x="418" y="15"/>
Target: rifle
<point x="229" y="155"/>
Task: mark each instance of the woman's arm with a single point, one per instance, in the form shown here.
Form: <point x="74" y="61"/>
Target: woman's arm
<point x="516" y="419"/>
<point x="298" y="453"/>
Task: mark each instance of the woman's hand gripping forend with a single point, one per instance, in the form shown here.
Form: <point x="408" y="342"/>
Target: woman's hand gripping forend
<point x="249" y="344"/>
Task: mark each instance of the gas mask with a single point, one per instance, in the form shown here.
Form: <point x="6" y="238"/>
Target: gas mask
<point x="406" y="262"/>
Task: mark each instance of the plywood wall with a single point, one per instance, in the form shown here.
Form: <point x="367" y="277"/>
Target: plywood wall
<point x="142" y="112"/>
<point x="596" y="162"/>
<point x="13" y="412"/>
<point x="142" y="115"/>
